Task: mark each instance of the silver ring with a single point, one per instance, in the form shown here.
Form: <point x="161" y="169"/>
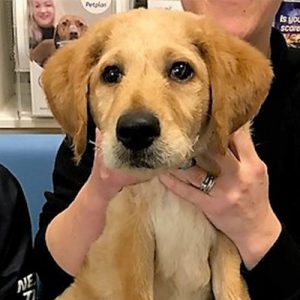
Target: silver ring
<point x="207" y="184"/>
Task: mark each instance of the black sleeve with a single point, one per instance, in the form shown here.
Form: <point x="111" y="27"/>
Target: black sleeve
<point x="68" y="178"/>
<point x="277" y="276"/>
<point x="17" y="277"/>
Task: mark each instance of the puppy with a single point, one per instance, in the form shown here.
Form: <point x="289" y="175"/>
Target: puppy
<point x="68" y="29"/>
<point x="161" y="95"/>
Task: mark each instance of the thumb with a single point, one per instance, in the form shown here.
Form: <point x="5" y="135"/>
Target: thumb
<point x="241" y="145"/>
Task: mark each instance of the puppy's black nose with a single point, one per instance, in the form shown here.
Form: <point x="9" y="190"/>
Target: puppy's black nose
<point x="137" y="130"/>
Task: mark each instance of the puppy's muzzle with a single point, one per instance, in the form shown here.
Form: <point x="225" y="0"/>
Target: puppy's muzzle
<point x="137" y="130"/>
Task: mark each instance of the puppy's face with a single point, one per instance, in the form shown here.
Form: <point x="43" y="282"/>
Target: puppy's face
<point x="162" y="87"/>
<point x="144" y="97"/>
<point x="71" y="27"/>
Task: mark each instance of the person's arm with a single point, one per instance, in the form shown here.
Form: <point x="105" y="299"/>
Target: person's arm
<point x="17" y="277"/>
<point x="74" y="215"/>
<point x="68" y="179"/>
<point x="277" y="274"/>
<point x="238" y="205"/>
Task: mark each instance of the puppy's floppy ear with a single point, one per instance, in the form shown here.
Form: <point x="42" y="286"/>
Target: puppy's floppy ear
<point x="65" y="81"/>
<point x="240" y="77"/>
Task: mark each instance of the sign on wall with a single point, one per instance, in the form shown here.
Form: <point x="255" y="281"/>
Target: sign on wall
<point x="287" y="21"/>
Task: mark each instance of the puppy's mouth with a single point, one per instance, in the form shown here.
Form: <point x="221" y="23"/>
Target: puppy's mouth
<point x="157" y="157"/>
<point x="141" y="159"/>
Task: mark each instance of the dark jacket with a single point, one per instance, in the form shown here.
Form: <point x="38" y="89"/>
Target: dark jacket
<point x="277" y="140"/>
<point x="17" y="277"/>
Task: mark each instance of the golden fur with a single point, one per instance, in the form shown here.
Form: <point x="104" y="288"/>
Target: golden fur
<point x="154" y="245"/>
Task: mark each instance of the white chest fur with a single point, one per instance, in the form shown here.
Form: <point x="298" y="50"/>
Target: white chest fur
<point x="156" y="246"/>
<point x="184" y="238"/>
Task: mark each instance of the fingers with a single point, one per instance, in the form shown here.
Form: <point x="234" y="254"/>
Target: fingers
<point x="183" y="190"/>
<point x="193" y="176"/>
<point x="241" y="145"/>
<point x="111" y="176"/>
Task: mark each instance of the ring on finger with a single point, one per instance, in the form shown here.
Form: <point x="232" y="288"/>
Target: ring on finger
<point x="207" y="184"/>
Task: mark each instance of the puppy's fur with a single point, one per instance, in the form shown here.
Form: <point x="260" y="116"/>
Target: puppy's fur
<point x="155" y="245"/>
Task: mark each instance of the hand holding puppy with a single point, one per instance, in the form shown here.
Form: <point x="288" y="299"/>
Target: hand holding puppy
<point x="238" y="204"/>
<point x="105" y="182"/>
<point x="84" y="219"/>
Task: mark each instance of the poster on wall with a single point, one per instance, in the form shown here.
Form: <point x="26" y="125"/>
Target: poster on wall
<point x="287" y="20"/>
<point x="51" y="25"/>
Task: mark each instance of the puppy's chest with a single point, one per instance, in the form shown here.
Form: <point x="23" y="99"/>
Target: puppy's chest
<point x="183" y="238"/>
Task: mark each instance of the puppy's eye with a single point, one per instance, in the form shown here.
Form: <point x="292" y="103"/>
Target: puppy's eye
<point x="181" y="71"/>
<point x="112" y="74"/>
<point x="64" y="23"/>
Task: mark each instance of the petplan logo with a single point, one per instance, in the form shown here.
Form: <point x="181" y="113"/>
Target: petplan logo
<point x="96" y="7"/>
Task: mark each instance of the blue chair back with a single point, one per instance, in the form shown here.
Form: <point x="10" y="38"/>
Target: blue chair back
<point x="30" y="157"/>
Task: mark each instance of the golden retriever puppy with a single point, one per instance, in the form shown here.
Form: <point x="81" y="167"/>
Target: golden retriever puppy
<point x="163" y="87"/>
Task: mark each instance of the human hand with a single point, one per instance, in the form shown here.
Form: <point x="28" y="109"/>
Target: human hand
<point x="71" y="232"/>
<point x="107" y="182"/>
<point x="238" y="203"/>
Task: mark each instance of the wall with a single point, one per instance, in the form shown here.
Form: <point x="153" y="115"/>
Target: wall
<point x="6" y="61"/>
